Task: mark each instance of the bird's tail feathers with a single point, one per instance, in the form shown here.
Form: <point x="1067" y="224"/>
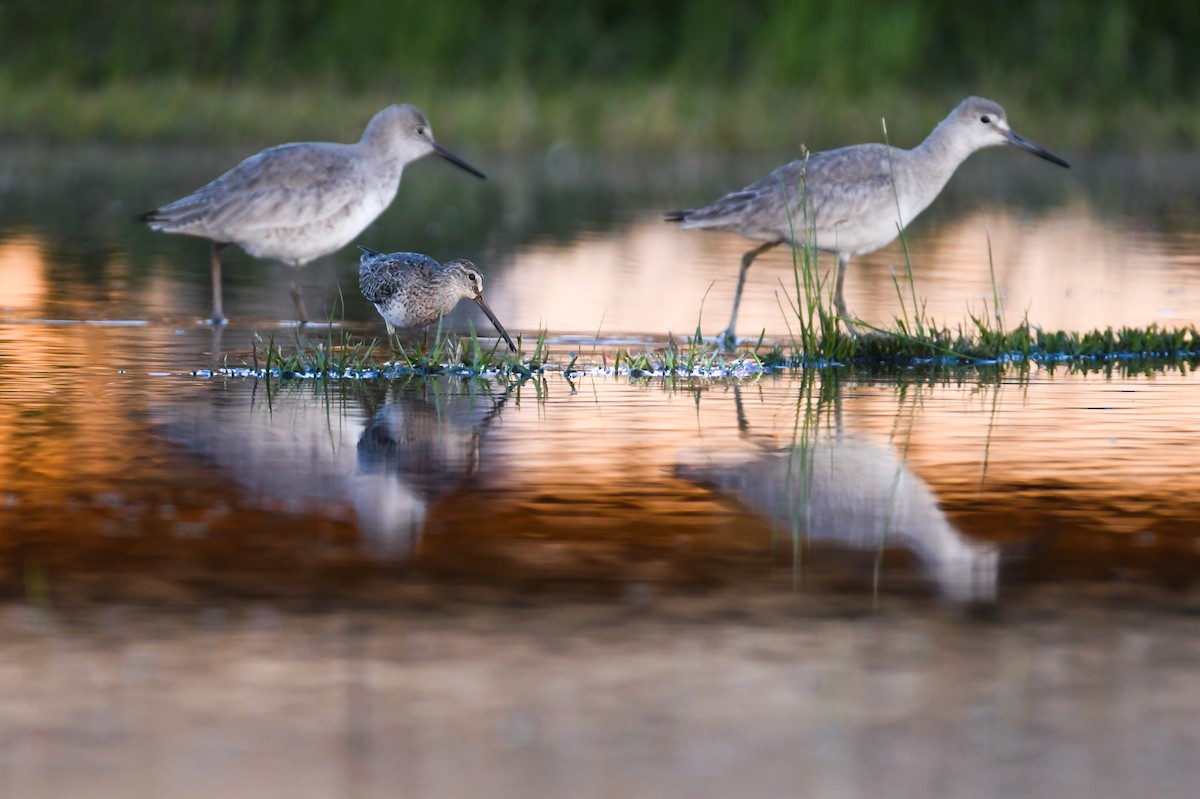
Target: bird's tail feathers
<point x="177" y="216"/>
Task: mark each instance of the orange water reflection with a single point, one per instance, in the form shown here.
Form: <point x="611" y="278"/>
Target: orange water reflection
<point x="122" y="474"/>
<point x="223" y="587"/>
<point x="127" y="482"/>
<point x="22" y="275"/>
<point x="1068" y="267"/>
<point x="1069" y="270"/>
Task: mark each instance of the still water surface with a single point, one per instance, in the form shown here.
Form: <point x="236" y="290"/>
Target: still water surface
<point x="977" y="583"/>
<point x="573" y="243"/>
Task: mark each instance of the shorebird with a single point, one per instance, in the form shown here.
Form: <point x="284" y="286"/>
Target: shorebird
<point x="853" y="200"/>
<point x="413" y="290"/>
<point x="296" y="202"/>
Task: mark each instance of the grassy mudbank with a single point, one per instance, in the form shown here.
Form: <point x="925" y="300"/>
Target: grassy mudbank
<point x="983" y="344"/>
<point x="348" y="357"/>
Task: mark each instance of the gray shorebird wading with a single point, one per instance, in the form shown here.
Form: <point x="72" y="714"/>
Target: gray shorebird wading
<point x="853" y="200"/>
<point x="296" y="202"/>
<point x="413" y="290"/>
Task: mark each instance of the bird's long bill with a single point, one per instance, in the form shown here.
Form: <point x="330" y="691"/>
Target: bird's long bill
<point x="1041" y="152"/>
<point x="483" y="304"/>
<point x="442" y="152"/>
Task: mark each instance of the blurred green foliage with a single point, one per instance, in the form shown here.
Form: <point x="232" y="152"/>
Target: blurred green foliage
<point x="598" y="73"/>
<point x="1086" y="50"/>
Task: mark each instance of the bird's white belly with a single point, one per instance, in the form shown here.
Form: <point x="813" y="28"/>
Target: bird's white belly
<point x="858" y="239"/>
<point x="394" y="312"/>
<point x="297" y="245"/>
<point x="869" y="229"/>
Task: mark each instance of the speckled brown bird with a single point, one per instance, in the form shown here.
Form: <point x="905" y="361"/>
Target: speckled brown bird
<point x="413" y="290"/>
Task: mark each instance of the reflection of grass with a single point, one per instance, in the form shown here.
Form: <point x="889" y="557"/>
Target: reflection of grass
<point x="816" y="412"/>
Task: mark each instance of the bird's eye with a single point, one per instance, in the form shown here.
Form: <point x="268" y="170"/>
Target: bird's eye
<point x="420" y="130"/>
<point x="985" y="119"/>
<point x="471" y="276"/>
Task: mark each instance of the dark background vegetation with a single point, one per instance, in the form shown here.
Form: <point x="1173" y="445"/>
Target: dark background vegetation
<point x="1096" y="55"/>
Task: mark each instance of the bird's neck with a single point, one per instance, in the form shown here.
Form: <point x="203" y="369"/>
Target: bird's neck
<point x="381" y="144"/>
<point x="942" y="152"/>
<point x="442" y="287"/>
<point x="386" y="165"/>
<point x="375" y="137"/>
<point x="930" y="165"/>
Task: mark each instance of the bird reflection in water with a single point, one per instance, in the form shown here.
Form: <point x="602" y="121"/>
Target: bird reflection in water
<point x="412" y="451"/>
<point x="836" y="489"/>
<point x="409" y="445"/>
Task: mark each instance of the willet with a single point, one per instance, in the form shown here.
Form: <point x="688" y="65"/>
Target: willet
<point x="296" y="202"/>
<point x="413" y="290"/>
<point x="853" y="200"/>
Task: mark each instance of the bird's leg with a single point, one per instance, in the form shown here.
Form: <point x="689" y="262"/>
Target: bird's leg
<point x="218" y="315"/>
<point x="297" y="298"/>
<point x="839" y="301"/>
<point x="727" y="338"/>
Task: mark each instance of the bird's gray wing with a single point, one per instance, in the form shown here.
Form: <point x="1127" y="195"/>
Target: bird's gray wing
<point x="381" y="276"/>
<point x="849" y="183"/>
<point x="830" y="184"/>
<point x="286" y="186"/>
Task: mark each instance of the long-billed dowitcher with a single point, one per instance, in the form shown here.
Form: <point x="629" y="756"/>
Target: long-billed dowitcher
<point x="853" y="200"/>
<point x="413" y="290"/>
<point x="296" y="202"/>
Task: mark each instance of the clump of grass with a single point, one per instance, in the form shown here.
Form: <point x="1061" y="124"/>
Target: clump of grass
<point x="692" y="358"/>
<point x="468" y="356"/>
<point x="331" y="358"/>
<point x="981" y="342"/>
<point x="820" y="335"/>
<point x="977" y="344"/>
<point x="344" y="358"/>
<point x="351" y="358"/>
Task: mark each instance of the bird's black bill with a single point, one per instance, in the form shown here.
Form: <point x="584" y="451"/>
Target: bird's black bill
<point x="442" y="152"/>
<point x="483" y="304"/>
<point x="1038" y="150"/>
